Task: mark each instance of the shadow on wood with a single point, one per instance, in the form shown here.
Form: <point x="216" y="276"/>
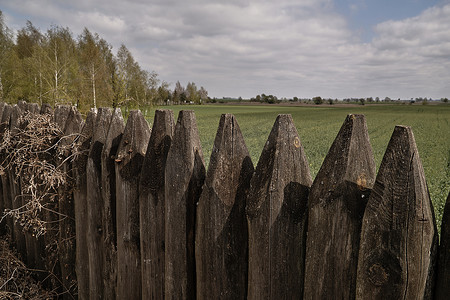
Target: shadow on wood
<point x="336" y="203"/>
<point x="221" y="246"/>
<point x="185" y="174"/>
<point x="398" y="238"/>
<point x="152" y="205"/>
<point x="130" y="156"/>
<point x="277" y="216"/>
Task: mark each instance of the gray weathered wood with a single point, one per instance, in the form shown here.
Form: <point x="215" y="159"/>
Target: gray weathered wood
<point x="185" y="174"/>
<point x="152" y="205"/>
<point x="94" y="202"/>
<point x="33" y="108"/>
<point x="3" y="227"/>
<point x="46" y="109"/>
<point x="15" y="188"/>
<point x="336" y="206"/>
<point x="221" y="244"/>
<point x="108" y="184"/>
<point x="442" y="290"/>
<point x="130" y="156"/>
<point x="277" y="215"/>
<point x="60" y="115"/>
<point x="80" y="205"/>
<point x="399" y="237"/>
<point x="67" y="240"/>
<point x="6" y="188"/>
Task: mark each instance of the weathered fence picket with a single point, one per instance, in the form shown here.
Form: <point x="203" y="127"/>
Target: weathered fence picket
<point x="67" y="231"/>
<point x="221" y="243"/>
<point x="94" y="202"/>
<point x="130" y="156"/>
<point x="336" y="206"/>
<point x="6" y="189"/>
<point x="184" y="177"/>
<point x="14" y="187"/>
<point x="150" y="223"/>
<point x="277" y="216"/>
<point x="443" y="275"/>
<point x="398" y="238"/>
<point x="80" y="205"/>
<point x="108" y="183"/>
<point x="152" y="205"/>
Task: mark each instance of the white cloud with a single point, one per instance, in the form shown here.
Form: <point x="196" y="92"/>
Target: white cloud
<point x="288" y="48"/>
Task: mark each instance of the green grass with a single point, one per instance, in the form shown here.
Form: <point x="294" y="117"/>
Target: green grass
<point x="318" y="126"/>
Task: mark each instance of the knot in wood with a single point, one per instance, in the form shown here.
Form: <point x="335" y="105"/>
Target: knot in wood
<point x="362" y="181"/>
<point x="377" y="275"/>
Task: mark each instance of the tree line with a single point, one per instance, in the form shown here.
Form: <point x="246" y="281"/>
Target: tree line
<point x="55" y="67"/>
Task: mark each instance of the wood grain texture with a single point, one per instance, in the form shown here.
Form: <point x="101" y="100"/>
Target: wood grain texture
<point x="277" y="215"/>
<point x="130" y="156"/>
<point x="336" y="206"/>
<point x="221" y="245"/>
<point x="80" y="205"/>
<point x="152" y="205"/>
<point x="399" y="237"/>
<point x="67" y="231"/>
<point x="443" y="276"/>
<point x="95" y="202"/>
<point x="108" y="191"/>
<point x="185" y="174"/>
<point x="6" y="189"/>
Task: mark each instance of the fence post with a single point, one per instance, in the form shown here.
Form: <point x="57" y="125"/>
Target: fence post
<point x="442" y="290"/>
<point x="221" y="244"/>
<point x="130" y="155"/>
<point x="152" y="204"/>
<point x="336" y="206"/>
<point x="3" y="201"/>
<point x="95" y="204"/>
<point x="15" y="188"/>
<point x="67" y="240"/>
<point x="108" y="183"/>
<point x="6" y="188"/>
<point x="60" y="115"/>
<point x="399" y="237"/>
<point x="185" y="174"/>
<point x="80" y="205"/>
<point x="277" y="215"/>
<point x="46" y="109"/>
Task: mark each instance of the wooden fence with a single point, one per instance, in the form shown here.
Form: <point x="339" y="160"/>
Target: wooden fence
<point x="146" y="220"/>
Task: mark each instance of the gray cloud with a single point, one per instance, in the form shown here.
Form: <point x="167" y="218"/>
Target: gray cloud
<point x="243" y="48"/>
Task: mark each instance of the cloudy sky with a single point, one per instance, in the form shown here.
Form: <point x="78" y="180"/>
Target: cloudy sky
<point x="303" y="48"/>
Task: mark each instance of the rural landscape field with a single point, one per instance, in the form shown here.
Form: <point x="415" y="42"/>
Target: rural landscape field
<point x="318" y="126"/>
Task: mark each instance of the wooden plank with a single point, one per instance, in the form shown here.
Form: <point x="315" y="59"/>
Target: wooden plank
<point x="15" y="188"/>
<point x="6" y="189"/>
<point x="67" y="231"/>
<point x="443" y="274"/>
<point x="3" y="227"/>
<point x="185" y="174"/>
<point x="336" y="206"/>
<point x="46" y="109"/>
<point x="399" y="236"/>
<point x="221" y="244"/>
<point x="152" y="205"/>
<point x="60" y="115"/>
<point x="277" y="214"/>
<point x="94" y="202"/>
<point x="80" y="205"/>
<point x="108" y="178"/>
<point x="130" y="157"/>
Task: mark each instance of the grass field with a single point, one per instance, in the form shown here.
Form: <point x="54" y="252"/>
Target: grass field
<point x="318" y="126"/>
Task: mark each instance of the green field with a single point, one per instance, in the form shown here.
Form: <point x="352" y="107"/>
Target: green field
<point x="318" y="126"/>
